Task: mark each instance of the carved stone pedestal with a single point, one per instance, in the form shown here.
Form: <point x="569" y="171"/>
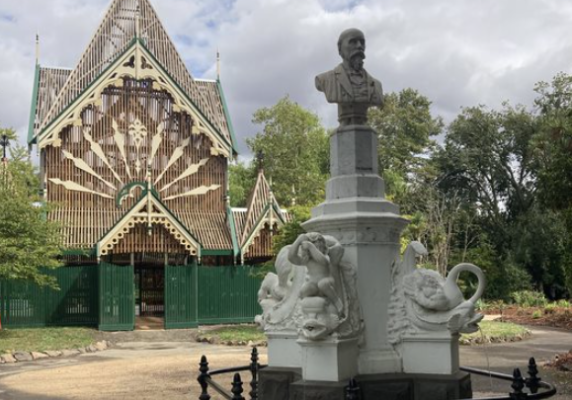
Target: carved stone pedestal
<point x="329" y="360"/>
<point x="368" y="227"/>
<point x="431" y="353"/>
<point x="283" y="349"/>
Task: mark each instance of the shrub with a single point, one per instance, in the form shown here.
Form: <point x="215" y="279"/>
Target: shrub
<point x="529" y="298"/>
<point x="537" y="314"/>
<point x="563" y="303"/>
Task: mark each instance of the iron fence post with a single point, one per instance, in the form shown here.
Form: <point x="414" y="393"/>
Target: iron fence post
<point x="204" y="374"/>
<point x="254" y="366"/>
<point x="533" y="381"/>
<point x="517" y="386"/>
<point x="352" y="390"/>
<point x="237" y="388"/>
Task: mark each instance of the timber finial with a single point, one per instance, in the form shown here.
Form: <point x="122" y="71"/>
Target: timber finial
<point x="37" y="48"/>
<point x="137" y="15"/>
<point x="217" y="65"/>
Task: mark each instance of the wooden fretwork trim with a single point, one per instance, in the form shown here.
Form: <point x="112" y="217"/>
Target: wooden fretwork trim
<point x="270" y="217"/>
<point x="148" y="210"/>
<point x="136" y="63"/>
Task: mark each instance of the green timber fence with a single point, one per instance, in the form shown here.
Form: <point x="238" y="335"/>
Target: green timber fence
<point x="227" y="295"/>
<point x="102" y="296"/>
<point x="25" y="304"/>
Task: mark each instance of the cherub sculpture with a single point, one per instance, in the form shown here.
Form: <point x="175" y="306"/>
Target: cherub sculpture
<point x="279" y="294"/>
<point x="329" y="297"/>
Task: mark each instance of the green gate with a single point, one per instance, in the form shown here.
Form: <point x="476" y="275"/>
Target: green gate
<point x="180" y="296"/>
<point x="117" y="303"/>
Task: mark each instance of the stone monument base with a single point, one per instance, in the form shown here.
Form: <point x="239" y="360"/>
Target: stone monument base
<point x="275" y="383"/>
<point x="283" y="349"/>
<point x="387" y="387"/>
<point x="333" y="360"/>
<point x="421" y="350"/>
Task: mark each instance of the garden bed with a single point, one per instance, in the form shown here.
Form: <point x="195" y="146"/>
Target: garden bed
<point x="552" y="316"/>
<point x="233" y="335"/>
<point x="496" y="332"/>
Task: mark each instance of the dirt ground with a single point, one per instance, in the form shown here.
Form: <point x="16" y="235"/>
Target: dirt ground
<point x="135" y="370"/>
<point x="164" y="364"/>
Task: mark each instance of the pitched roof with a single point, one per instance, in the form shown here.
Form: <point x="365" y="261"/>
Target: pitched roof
<point x="260" y="202"/>
<point x="124" y="21"/>
<point x="49" y="83"/>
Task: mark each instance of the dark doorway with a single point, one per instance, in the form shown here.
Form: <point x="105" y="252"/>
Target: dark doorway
<point x="149" y="291"/>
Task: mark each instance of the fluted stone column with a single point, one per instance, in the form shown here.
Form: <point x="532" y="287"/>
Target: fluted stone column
<point x="369" y="227"/>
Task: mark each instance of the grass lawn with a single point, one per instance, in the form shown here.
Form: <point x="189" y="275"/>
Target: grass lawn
<point x="493" y="332"/>
<point x="41" y="339"/>
<point x="497" y="332"/>
<point x="234" y="333"/>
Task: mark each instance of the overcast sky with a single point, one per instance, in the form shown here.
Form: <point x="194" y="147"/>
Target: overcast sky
<point x="457" y="53"/>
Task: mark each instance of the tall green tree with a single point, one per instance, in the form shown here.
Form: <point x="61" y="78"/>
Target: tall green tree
<point x="553" y="152"/>
<point x="406" y="130"/>
<point x="487" y="161"/>
<point x="295" y="146"/>
<point x="242" y="178"/>
<point x="29" y="243"/>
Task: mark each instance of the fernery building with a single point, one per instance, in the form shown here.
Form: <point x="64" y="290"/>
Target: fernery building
<point x="134" y="156"/>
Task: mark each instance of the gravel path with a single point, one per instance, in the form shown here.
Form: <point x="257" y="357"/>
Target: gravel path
<point x="164" y="364"/>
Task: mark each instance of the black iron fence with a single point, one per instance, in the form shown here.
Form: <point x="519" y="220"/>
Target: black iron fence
<point x="529" y="388"/>
<point x="206" y="379"/>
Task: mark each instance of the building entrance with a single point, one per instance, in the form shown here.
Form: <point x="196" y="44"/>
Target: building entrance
<point x="149" y="291"/>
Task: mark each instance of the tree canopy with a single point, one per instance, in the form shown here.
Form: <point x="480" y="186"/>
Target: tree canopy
<point x="493" y="187"/>
<point x="29" y="243"/>
<point x="295" y="148"/>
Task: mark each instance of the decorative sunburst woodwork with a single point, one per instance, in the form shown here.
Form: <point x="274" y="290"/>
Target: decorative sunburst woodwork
<point x="195" y="192"/>
<point x="81" y="164"/>
<point x="188" y="172"/>
<point x="98" y="151"/>
<point x="120" y="142"/>
<point x="76" y="187"/>
<point x="136" y="64"/>
<point x="174" y="157"/>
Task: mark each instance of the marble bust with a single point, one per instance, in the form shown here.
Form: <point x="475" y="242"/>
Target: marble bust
<point x="349" y="85"/>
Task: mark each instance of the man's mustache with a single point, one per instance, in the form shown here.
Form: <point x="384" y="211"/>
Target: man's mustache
<point x="357" y="53"/>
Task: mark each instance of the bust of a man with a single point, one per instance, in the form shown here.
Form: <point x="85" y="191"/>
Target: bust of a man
<point x="349" y="85"/>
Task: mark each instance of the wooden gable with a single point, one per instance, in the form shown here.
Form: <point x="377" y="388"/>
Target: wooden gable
<point x="261" y="217"/>
<point x="127" y="116"/>
<point x="132" y="43"/>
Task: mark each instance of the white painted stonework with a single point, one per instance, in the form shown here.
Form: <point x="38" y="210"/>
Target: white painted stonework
<point x="422" y="301"/>
<point x="333" y="360"/>
<point x="405" y="319"/>
<point x="368" y="227"/>
<point x="431" y="353"/>
<point x="284" y="350"/>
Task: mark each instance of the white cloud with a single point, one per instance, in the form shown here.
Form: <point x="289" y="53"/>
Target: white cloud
<point x="457" y="53"/>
